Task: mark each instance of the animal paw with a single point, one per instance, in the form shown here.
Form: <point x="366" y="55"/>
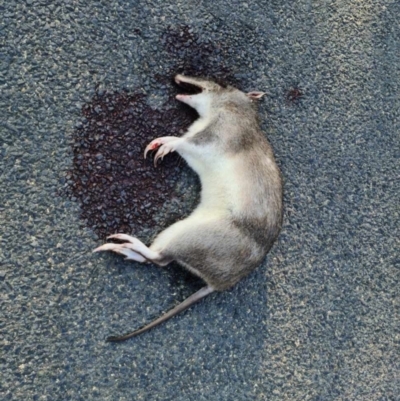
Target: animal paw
<point x="122" y="249"/>
<point x="133" y="248"/>
<point x="165" y="145"/>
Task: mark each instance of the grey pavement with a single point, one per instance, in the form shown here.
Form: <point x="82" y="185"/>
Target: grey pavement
<point x="319" y="320"/>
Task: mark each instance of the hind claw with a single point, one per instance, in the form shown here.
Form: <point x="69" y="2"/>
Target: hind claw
<point x="123" y="237"/>
<point x="106" y="247"/>
<point x="122" y="249"/>
<point x="133" y="248"/>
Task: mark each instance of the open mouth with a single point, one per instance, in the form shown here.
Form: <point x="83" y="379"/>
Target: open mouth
<point x="188" y="87"/>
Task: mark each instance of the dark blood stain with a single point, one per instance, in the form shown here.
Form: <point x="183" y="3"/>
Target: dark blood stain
<point x="198" y="56"/>
<point x="293" y="95"/>
<point x="117" y="189"/>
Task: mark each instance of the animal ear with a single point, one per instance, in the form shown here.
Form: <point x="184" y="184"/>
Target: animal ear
<point x="255" y="95"/>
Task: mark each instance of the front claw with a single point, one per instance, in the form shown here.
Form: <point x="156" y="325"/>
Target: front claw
<point x="154" y="144"/>
<point x="162" y="151"/>
<point x="165" y="145"/>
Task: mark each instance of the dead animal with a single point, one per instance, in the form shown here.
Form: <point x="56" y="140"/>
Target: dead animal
<point x="240" y="212"/>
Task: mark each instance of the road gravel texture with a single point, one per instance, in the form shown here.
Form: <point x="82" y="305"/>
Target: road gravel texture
<point x="83" y="85"/>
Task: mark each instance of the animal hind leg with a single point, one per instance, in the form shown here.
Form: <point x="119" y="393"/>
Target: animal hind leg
<point x="133" y="249"/>
<point x="214" y="250"/>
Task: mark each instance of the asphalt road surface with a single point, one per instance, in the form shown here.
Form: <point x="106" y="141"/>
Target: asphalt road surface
<point x="87" y="82"/>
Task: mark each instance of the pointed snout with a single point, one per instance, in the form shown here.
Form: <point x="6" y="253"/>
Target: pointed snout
<point x="182" y="98"/>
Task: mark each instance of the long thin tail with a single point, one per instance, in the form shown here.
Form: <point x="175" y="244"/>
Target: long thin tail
<point x="197" y="296"/>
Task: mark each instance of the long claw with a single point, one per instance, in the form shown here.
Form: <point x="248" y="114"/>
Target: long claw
<point x="154" y="144"/>
<point x="157" y="158"/>
<point x="133" y="248"/>
<point x="122" y="249"/>
<point x="107" y="247"/>
<point x="163" y="144"/>
<point x="146" y="150"/>
<point x="123" y="237"/>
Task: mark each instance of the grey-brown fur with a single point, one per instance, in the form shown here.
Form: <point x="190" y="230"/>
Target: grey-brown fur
<point x="240" y="212"/>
